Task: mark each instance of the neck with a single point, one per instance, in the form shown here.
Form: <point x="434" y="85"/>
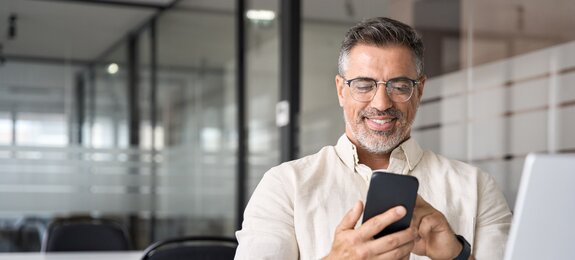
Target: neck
<point x="373" y="161"/>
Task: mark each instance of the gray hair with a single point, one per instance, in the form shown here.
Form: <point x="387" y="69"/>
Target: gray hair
<point x="382" y="31"/>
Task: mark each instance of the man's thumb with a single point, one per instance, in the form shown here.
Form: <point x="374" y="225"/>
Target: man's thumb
<point x="351" y="217"/>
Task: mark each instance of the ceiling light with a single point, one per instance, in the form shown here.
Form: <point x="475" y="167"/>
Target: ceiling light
<point x="260" y="15"/>
<point x="112" y="68"/>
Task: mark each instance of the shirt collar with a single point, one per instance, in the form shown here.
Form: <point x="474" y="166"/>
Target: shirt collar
<point x="347" y="152"/>
<point x="409" y="151"/>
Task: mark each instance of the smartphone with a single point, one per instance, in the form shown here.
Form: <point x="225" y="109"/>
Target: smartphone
<point x="387" y="190"/>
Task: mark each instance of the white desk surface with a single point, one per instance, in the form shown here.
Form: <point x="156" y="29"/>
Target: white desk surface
<point x="126" y="255"/>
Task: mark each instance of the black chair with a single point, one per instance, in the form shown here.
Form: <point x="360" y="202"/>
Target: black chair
<point x="193" y="247"/>
<point x="85" y="234"/>
<point x="30" y="232"/>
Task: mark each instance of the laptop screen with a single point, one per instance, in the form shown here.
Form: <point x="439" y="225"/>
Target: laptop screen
<point x="543" y="224"/>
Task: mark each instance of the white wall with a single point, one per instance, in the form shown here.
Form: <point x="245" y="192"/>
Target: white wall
<point x="493" y="115"/>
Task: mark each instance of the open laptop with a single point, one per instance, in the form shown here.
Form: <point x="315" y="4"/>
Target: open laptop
<point x="544" y="217"/>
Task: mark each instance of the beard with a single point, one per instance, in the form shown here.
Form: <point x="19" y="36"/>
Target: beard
<point x="379" y="142"/>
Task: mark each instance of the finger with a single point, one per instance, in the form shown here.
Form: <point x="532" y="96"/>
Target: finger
<point x="422" y="209"/>
<point x="426" y="225"/>
<point x="401" y="252"/>
<point x="376" y="224"/>
<point x="423" y="230"/>
<point x="419" y="200"/>
<point x="351" y="217"/>
<point x="433" y="223"/>
<point x="392" y="242"/>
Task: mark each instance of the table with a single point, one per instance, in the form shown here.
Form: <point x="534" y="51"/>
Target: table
<point x="124" y="255"/>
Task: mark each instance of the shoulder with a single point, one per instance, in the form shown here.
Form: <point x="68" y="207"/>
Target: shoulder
<point x="455" y="170"/>
<point x="306" y="163"/>
<point x="282" y="183"/>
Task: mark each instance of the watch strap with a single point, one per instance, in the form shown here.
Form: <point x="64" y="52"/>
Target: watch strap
<point x="465" y="250"/>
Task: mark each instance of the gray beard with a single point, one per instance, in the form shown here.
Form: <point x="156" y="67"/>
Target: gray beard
<point x="370" y="140"/>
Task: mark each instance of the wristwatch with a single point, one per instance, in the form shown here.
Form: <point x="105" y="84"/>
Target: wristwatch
<point x="465" y="251"/>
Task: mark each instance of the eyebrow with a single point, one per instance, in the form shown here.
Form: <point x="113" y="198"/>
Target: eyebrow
<point x="364" y="77"/>
<point x="370" y="78"/>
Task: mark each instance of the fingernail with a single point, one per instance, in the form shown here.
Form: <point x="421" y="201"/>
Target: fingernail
<point x="357" y="206"/>
<point x="400" y="210"/>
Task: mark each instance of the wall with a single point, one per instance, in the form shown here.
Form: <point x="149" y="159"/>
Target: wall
<point x="494" y="114"/>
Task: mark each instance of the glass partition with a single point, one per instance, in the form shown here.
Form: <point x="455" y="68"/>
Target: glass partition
<point x="196" y="112"/>
<point x="63" y="121"/>
<point x="109" y="114"/>
<point x="6" y="128"/>
<point x="262" y="84"/>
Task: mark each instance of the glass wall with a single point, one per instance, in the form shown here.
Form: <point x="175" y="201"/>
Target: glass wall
<point x="262" y="84"/>
<point x="6" y="128"/>
<point x="520" y="56"/>
<point x="34" y="125"/>
<point x="150" y="145"/>
<point x="109" y="117"/>
<point x="196" y="115"/>
<point x="65" y="145"/>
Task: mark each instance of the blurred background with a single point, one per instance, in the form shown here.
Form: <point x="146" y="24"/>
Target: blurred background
<point x="129" y="109"/>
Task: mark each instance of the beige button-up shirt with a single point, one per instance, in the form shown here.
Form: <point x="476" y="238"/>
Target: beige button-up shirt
<point x="296" y="207"/>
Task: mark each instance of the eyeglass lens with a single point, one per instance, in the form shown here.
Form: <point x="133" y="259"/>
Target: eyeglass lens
<point x="398" y="90"/>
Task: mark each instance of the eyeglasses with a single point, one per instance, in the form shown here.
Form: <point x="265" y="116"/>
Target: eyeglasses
<point x="398" y="89"/>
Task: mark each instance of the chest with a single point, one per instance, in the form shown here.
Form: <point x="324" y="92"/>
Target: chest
<point x="319" y="208"/>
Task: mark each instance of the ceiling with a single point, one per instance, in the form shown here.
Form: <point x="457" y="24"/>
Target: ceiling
<point x="84" y="30"/>
<point x="67" y="30"/>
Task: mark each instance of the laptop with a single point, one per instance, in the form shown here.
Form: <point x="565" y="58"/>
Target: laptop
<point x="543" y="224"/>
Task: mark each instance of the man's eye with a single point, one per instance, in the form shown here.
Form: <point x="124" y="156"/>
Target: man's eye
<point x="401" y="86"/>
<point x="363" y="86"/>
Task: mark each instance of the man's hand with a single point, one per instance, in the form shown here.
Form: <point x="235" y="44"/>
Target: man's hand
<point x="350" y="243"/>
<point x="435" y="238"/>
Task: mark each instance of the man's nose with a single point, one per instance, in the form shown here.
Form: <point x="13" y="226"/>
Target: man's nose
<point x="381" y="100"/>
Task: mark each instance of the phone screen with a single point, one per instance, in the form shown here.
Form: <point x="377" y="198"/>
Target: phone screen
<point x="387" y="190"/>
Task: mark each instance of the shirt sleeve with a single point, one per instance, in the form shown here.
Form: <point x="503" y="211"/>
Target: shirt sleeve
<point x="493" y="221"/>
<point x="268" y="227"/>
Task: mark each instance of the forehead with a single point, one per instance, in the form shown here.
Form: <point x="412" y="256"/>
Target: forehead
<point x="383" y="61"/>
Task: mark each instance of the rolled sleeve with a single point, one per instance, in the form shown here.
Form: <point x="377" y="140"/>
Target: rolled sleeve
<point x="493" y="222"/>
<point x="268" y="227"/>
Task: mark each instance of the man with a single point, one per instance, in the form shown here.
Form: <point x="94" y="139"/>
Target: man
<point x="300" y="209"/>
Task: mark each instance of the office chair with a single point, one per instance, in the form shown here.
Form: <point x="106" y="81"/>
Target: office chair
<point x="196" y="248"/>
<point x="30" y="232"/>
<point x="85" y="234"/>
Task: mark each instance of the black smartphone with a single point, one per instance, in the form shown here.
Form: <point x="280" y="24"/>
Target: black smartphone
<point x="387" y="190"/>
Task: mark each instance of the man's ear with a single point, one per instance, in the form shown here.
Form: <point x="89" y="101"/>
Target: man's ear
<point x="339" y="85"/>
<point x="420" y="87"/>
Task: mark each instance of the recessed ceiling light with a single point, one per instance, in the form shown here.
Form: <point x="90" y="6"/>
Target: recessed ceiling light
<point x="261" y="15"/>
<point x="112" y="68"/>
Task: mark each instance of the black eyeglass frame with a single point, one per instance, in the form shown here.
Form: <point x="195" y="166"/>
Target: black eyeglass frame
<point x="387" y="84"/>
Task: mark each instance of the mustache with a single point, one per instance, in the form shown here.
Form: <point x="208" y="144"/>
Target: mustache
<point x="373" y="112"/>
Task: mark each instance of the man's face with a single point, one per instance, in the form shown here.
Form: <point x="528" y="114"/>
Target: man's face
<point x="379" y="125"/>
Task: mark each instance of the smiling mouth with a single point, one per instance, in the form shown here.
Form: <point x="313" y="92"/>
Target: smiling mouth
<point x="382" y="121"/>
<point x="379" y="125"/>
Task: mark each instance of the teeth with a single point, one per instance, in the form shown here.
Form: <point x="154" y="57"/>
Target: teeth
<point x="381" y="122"/>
